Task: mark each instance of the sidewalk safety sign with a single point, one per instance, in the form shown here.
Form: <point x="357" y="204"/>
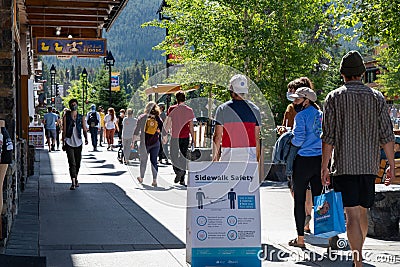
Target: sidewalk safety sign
<point x="223" y="214"/>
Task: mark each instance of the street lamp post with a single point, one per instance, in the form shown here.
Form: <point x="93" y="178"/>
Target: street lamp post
<point x="84" y="86"/>
<point x="109" y="62"/>
<point x="53" y="72"/>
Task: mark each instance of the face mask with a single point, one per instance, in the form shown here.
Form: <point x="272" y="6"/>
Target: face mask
<point x="74" y="107"/>
<point x="298" y="107"/>
<point x="288" y="94"/>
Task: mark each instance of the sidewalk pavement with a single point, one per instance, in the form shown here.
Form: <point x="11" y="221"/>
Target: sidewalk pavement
<point x="112" y="220"/>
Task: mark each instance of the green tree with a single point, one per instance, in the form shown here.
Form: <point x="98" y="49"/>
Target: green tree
<point x="101" y="92"/>
<point x="272" y="42"/>
<point x="378" y="24"/>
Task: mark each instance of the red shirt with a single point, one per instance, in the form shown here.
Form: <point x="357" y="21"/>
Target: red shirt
<point x="180" y="115"/>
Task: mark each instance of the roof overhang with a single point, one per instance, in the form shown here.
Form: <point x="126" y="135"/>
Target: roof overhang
<point x="78" y="18"/>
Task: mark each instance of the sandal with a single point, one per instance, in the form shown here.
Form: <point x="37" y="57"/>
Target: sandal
<point x="293" y="243"/>
<point x="140" y="180"/>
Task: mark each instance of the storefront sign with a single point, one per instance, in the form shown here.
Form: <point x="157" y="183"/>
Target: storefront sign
<point x="71" y="46"/>
<point x="224" y="214"/>
<point x="36" y="136"/>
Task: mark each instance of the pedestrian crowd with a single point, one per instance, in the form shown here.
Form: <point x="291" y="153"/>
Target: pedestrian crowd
<point x="336" y="146"/>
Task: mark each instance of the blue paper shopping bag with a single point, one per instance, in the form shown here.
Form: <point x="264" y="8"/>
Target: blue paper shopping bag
<point x="328" y="214"/>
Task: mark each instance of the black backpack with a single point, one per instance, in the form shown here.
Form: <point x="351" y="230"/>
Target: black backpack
<point x="93" y="121"/>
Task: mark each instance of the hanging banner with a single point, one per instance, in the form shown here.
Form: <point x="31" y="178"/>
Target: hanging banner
<point x="115" y="82"/>
<point x="71" y="46"/>
<point x="224" y="227"/>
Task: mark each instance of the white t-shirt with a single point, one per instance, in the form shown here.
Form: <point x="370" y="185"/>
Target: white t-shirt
<point x="110" y="124"/>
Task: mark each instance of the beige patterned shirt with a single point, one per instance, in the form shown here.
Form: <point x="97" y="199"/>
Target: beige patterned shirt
<point x="356" y="122"/>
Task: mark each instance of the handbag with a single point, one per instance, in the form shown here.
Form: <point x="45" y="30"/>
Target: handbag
<point x="328" y="214"/>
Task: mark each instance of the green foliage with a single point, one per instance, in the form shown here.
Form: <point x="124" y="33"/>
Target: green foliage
<point x="379" y="22"/>
<point x="272" y="42"/>
<point x="102" y="93"/>
<point x="97" y="93"/>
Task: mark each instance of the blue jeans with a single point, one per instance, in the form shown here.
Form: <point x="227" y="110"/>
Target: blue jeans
<point x="93" y="135"/>
<point x="144" y="154"/>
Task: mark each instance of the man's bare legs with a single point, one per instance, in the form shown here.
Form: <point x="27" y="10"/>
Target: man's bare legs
<point x="364" y="222"/>
<point x="357" y="227"/>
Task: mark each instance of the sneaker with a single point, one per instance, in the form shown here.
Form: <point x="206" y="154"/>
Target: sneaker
<point x="177" y="179"/>
<point x="183" y="183"/>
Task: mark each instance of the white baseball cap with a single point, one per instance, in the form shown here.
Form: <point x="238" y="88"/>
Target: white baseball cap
<point x="305" y="92"/>
<point x="238" y="84"/>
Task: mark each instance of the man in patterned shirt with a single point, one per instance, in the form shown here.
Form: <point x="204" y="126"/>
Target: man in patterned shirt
<point x="356" y="123"/>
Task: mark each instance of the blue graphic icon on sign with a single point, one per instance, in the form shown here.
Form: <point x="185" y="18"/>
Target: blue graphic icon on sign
<point x="232" y="235"/>
<point x="231" y="220"/>
<point x="201" y="235"/>
<point x="201" y="220"/>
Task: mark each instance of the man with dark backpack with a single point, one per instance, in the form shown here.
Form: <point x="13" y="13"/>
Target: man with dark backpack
<point x="93" y="120"/>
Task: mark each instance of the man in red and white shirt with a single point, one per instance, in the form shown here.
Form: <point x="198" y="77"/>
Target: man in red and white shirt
<point x="180" y="121"/>
<point x="237" y="126"/>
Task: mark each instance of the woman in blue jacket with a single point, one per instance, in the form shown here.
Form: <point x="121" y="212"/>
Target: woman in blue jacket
<point x="307" y="164"/>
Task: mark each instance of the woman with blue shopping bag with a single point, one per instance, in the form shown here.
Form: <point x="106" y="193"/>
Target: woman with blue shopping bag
<point x="307" y="164"/>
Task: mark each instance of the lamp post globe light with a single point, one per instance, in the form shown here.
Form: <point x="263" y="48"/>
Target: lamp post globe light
<point x="53" y="72"/>
<point x="84" y="88"/>
<point x="109" y="62"/>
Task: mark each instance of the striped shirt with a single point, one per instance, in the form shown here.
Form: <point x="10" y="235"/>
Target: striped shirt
<point x="239" y="118"/>
<point x="356" y="122"/>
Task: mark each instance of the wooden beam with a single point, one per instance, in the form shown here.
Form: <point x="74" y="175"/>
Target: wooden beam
<point x="65" y="17"/>
<point x="68" y="13"/>
<point x="69" y="3"/>
<point x="66" y="23"/>
<point x="46" y="9"/>
<point x="75" y="32"/>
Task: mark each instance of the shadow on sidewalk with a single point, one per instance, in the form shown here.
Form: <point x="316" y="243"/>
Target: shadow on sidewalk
<point x="94" y="218"/>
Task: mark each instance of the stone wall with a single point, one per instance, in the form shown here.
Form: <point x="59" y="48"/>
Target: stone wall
<point x="9" y="204"/>
<point x="17" y="171"/>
